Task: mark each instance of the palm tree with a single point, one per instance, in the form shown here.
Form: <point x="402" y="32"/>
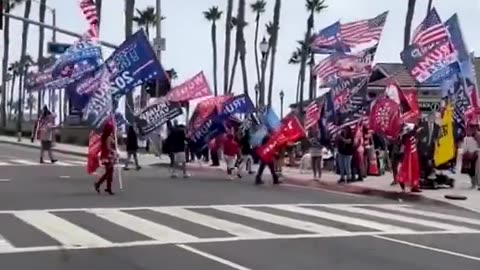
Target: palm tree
<point x="129" y="12"/>
<point x="23" y="59"/>
<point x="258" y="7"/>
<point x="313" y="7"/>
<point x="295" y="59"/>
<point x="213" y="15"/>
<point x="273" y="44"/>
<point x="41" y="41"/>
<point x="236" y="56"/>
<point x="228" y="31"/>
<point x="269" y="29"/>
<point x="242" y="44"/>
<point x="408" y="22"/>
<point x="6" y="46"/>
<point x="146" y="18"/>
<point x="14" y="68"/>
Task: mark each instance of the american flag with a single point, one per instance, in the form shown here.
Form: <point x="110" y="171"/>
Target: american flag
<point x="326" y="68"/>
<point x="363" y="31"/>
<point x="90" y="11"/>
<point x="328" y="40"/>
<point x="431" y="30"/>
<point x="312" y="114"/>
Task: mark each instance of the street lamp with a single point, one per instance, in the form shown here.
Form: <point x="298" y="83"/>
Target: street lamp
<point x="256" y="94"/>
<point x="282" y="95"/>
<point x="263" y="46"/>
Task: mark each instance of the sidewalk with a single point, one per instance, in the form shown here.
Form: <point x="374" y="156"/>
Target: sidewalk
<point x="75" y="150"/>
<point x="372" y="186"/>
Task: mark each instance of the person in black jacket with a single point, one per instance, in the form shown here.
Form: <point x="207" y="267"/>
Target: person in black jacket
<point x="245" y="160"/>
<point x="132" y="148"/>
<point x="176" y="140"/>
<point x="271" y="166"/>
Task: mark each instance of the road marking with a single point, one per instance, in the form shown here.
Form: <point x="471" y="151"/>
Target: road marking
<point x="344" y="219"/>
<point x="325" y="190"/>
<point x="183" y="206"/>
<point x="4" y="163"/>
<point x="214" y="258"/>
<point x="5" y="180"/>
<point x="142" y="226"/>
<point x="406" y="219"/>
<point x="4" y="244"/>
<point x="410" y="210"/>
<point x="64" y="164"/>
<point x="65" y="177"/>
<point x="78" y="162"/>
<point x="221" y="240"/>
<point x="65" y="232"/>
<point x="279" y="220"/>
<point x="444" y="251"/>
<point x="24" y="162"/>
<point x="212" y="222"/>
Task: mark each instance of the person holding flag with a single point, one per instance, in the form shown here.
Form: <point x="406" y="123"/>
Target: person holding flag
<point x="44" y="132"/>
<point x="108" y="156"/>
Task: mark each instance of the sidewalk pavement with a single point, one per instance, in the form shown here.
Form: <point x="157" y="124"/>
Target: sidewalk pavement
<point x="75" y="150"/>
<point x="372" y="185"/>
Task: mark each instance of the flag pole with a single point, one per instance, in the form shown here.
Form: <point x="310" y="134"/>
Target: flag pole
<point x="120" y="179"/>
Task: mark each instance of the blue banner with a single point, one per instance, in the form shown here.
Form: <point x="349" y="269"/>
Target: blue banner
<point x="99" y="107"/>
<point x="132" y="64"/>
<point x="271" y="120"/>
<point x="82" y="90"/>
<point x="80" y="58"/>
<point x="238" y="104"/>
<point x="203" y="135"/>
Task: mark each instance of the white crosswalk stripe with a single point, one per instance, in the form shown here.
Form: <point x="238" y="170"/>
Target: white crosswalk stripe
<point x="203" y="224"/>
<point x="25" y="162"/>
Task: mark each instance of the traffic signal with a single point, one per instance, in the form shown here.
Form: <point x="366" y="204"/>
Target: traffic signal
<point x="57" y="48"/>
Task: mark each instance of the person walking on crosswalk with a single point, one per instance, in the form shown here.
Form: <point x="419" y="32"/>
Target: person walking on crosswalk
<point x="132" y="148"/>
<point x="44" y="132"/>
<point x="108" y="156"/>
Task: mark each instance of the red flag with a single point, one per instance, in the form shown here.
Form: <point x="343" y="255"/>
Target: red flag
<point x="196" y="87"/>
<point x="414" y="114"/>
<point x="385" y="118"/>
<point x="409" y="169"/>
<point x="290" y="131"/>
<point x="94" y="148"/>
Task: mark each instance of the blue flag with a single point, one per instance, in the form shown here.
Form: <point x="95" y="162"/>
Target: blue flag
<point x="205" y="133"/>
<point x="238" y="104"/>
<point x="453" y="27"/>
<point x="133" y="64"/>
<point x="271" y="120"/>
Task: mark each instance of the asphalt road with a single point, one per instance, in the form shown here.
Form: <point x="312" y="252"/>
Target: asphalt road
<point x="50" y="218"/>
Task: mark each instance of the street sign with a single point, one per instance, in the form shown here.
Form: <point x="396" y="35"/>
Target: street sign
<point x="159" y="44"/>
<point x="57" y="48"/>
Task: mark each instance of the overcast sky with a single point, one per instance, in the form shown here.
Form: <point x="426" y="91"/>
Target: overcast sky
<point x="188" y="33"/>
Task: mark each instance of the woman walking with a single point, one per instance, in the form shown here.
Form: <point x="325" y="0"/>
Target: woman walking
<point x="108" y="156"/>
<point x="132" y="148"/>
<point x="44" y="132"/>
<point x="316" y="153"/>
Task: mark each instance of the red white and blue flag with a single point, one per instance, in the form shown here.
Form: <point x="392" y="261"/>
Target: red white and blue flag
<point x="89" y="10"/>
<point x="430" y="31"/>
<point x="364" y="31"/>
<point x="312" y="115"/>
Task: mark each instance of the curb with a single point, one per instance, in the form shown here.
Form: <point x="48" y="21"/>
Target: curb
<point x="34" y="146"/>
<point x="366" y="191"/>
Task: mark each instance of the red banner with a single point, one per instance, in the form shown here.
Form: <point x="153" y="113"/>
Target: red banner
<point x="94" y="148"/>
<point x="385" y="117"/>
<point x="196" y="87"/>
<point x="290" y="131"/>
<point x="414" y="115"/>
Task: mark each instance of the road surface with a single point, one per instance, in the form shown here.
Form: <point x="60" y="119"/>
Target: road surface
<point x="50" y="218"/>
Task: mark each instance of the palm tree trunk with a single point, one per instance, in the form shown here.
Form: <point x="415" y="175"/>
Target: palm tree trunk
<point x="234" y="68"/>
<point x="303" y="62"/>
<point x="242" y="45"/>
<point x="312" y="77"/>
<point x="12" y="89"/>
<point x="228" y="32"/>
<point x="6" y="46"/>
<point x="41" y="41"/>
<point x="28" y="6"/>
<point x="276" y="26"/>
<point x="255" y="47"/>
<point x="298" y="88"/>
<point x="129" y="12"/>
<point x="214" y="46"/>
<point x="408" y="22"/>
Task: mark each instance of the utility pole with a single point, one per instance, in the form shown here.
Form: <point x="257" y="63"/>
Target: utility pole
<point x="159" y="42"/>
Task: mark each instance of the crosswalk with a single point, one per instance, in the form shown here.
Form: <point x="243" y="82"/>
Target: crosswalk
<point x="58" y="229"/>
<point x="27" y="162"/>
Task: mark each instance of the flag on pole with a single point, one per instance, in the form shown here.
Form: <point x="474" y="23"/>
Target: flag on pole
<point x="312" y="115"/>
<point x="430" y="31"/>
<point x="445" y="150"/>
<point x="328" y="40"/>
<point x="89" y="10"/>
<point x="363" y="31"/>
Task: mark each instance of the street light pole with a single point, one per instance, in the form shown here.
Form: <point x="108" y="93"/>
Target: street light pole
<point x="263" y="49"/>
<point x="282" y="95"/>
<point x="158" y="42"/>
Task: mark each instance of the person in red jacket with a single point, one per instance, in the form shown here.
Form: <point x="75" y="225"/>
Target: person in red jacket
<point x="230" y="151"/>
<point x="108" y="156"/>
